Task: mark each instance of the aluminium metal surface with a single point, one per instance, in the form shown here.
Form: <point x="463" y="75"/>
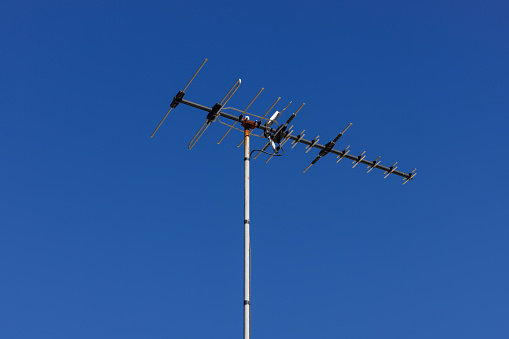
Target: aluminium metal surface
<point x="306" y="142"/>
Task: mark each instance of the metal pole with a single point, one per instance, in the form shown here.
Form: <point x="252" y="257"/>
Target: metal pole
<point x="247" y="240"/>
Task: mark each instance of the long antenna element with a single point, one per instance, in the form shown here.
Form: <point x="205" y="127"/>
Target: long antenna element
<point x="178" y="97"/>
<point x="277" y="136"/>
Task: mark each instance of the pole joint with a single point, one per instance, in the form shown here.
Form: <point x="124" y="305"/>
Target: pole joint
<point x="248" y="124"/>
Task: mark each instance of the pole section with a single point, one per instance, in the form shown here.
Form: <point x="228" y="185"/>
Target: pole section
<point x="247" y="240"/>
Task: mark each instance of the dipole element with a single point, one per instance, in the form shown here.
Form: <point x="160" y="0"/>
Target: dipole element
<point x="247" y="124"/>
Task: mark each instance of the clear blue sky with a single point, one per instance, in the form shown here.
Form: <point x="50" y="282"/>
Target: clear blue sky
<point x="106" y="233"/>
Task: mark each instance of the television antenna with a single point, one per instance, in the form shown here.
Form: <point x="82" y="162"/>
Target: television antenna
<point x="276" y="139"/>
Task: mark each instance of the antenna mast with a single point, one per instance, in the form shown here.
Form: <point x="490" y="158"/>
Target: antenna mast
<point x="276" y="139"/>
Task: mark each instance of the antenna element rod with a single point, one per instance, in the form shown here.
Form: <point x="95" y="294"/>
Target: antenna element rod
<point x="189" y="83"/>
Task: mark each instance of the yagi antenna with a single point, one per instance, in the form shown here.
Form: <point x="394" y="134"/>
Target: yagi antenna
<point x="277" y="136"/>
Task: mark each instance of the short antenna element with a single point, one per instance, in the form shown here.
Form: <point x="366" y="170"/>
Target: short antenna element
<point x="276" y="135"/>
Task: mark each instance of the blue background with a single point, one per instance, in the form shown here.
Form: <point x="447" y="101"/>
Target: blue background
<point x="106" y="233"/>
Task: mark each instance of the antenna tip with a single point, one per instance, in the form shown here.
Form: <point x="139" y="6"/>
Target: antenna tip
<point x="240" y="80"/>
